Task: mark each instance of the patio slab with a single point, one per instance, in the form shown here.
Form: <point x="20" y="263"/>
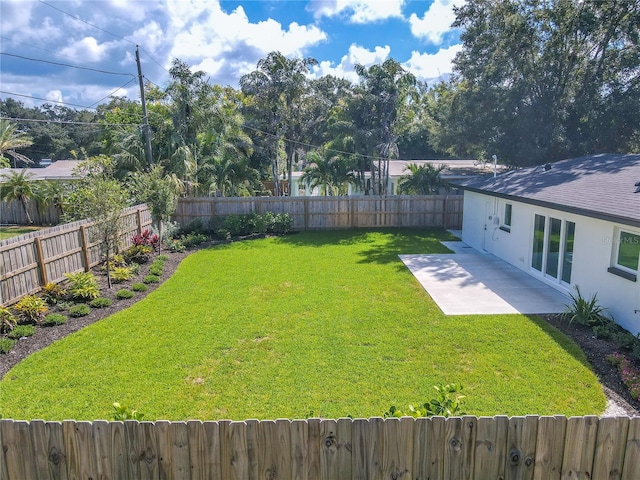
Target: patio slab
<point x="469" y="282"/>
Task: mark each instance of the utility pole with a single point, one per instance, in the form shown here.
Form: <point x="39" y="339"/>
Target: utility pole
<point x="145" y="119"/>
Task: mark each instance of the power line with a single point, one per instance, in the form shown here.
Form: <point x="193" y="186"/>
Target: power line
<point x="70" y="122"/>
<point x="112" y="93"/>
<point x="45" y="50"/>
<point x="46" y="100"/>
<point x="67" y="65"/>
<point x="105" y="31"/>
<point x="87" y="23"/>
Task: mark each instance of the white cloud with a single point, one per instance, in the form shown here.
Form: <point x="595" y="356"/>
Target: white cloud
<point x="427" y="66"/>
<point x="358" y="11"/>
<point x="436" y="21"/>
<point x="356" y="55"/>
<point x="87" y="49"/>
<point x="229" y="42"/>
<point x="54" y="96"/>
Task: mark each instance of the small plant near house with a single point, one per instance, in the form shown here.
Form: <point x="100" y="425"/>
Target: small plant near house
<point x="8" y="321"/>
<point x="53" y="293"/>
<point x="121" y="274"/>
<point x="446" y="403"/>
<point x="151" y="279"/>
<point x="30" y="309"/>
<point x="123" y="294"/>
<point x="6" y="344"/>
<point x="82" y="286"/>
<point x="100" y="302"/>
<point x="122" y="413"/>
<point x="79" y="310"/>
<point x="22" y="331"/>
<point x="54" y="319"/>
<point x="585" y="312"/>
<point x="139" y="287"/>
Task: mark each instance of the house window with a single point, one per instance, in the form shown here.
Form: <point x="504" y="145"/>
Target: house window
<point x="506" y="222"/>
<point x="628" y="251"/>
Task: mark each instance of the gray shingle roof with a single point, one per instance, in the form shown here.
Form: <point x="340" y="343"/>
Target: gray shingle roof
<point x="601" y="186"/>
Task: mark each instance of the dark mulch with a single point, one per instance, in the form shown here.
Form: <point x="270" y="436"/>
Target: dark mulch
<point x="595" y="349"/>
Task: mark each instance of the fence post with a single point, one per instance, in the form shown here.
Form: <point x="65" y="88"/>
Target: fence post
<point x="139" y="219"/>
<point x="85" y="248"/>
<point x="41" y="264"/>
<point x="306" y="213"/>
<point x="399" y="211"/>
<point x="444" y="212"/>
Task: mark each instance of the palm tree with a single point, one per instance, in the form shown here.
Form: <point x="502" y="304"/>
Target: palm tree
<point x="18" y="186"/>
<point x="331" y="174"/>
<point x="51" y="192"/>
<point x="423" y="179"/>
<point x="10" y="140"/>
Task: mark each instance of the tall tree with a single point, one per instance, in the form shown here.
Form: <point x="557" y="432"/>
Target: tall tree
<point x="423" y="179"/>
<point x="545" y="79"/>
<point x="273" y="90"/>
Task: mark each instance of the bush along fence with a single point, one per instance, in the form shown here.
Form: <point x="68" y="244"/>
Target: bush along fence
<point x="538" y="448"/>
<point x="32" y="260"/>
<point x="328" y="213"/>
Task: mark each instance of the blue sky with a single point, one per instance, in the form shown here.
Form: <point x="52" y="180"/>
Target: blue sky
<point x="223" y="38"/>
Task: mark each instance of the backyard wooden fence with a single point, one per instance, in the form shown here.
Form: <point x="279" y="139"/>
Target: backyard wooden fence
<point x="329" y="213"/>
<point x="30" y="261"/>
<point x="457" y="448"/>
<point x="12" y="213"/>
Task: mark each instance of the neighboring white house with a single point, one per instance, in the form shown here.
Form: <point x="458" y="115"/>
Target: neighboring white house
<point x="58" y="170"/>
<point x="572" y="222"/>
<point x="457" y="170"/>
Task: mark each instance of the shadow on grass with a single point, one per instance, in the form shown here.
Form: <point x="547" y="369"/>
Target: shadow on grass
<point x="385" y="243"/>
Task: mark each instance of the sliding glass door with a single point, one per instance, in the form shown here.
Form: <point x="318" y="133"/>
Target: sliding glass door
<point x="552" y="252"/>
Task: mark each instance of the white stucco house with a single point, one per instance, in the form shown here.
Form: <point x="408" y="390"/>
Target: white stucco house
<point x="572" y="222"/>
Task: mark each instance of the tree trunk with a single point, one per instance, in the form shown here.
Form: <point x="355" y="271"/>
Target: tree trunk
<point x="25" y="206"/>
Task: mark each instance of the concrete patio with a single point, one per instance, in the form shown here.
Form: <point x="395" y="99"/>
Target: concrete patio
<point x="469" y="282"/>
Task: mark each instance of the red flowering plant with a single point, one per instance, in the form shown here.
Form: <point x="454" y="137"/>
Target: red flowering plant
<point x="146" y="238"/>
<point x="628" y="371"/>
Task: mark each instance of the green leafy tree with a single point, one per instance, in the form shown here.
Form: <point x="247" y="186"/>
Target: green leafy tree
<point x="423" y="179"/>
<point x="547" y="79"/>
<point x="12" y="139"/>
<point x="332" y="174"/>
<point x="18" y="186"/>
<point x="159" y="192"/>
<point x="273" y="90"/>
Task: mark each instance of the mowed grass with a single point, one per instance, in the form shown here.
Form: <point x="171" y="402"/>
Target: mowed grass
<point x="315" y="324"/>
<point x="8" y="232"/>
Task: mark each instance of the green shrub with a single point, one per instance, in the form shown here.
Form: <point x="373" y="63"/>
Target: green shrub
<point x="54" y="319"/>
<point x="175" y="245"/>
<point x="138" y="254"/>
<point x="282" y="223"/>
<point x="193" y="239"/>
<point x="134" y="267"/>
<point x="82" y="286"/>
<point x="194" y="226"/>
<point x="155" y="270"/>
<point x="30" y="309"/>
<point x="162" y="258"/>
<point x="22" y="331"/>
<point x="151" y="279"/>
<point x="585" y="312"/>
<point x="139" y="287"/>
<point x="447" y="403"/>
<point x="53" y="293"/>
<point x="121" y="274"/>
<point x="254" y="223"/>
<point x="79" y="310"/>
<point x="100" y="302"/>
<point x="124" y="294"/>
<point x="6" y="344"/>
<point x="8" y="321"/>
<point x="624" y="339"/>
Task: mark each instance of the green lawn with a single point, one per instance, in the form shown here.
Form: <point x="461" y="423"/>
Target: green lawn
<point x="8" y="232"/>
<point x="323" y="324"/>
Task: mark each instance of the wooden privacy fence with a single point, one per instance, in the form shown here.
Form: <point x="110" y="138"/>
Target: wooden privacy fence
<point x="12" y="213"/>
<point x="328" y="213"/>
<point x="30" y="261"/>
<point x="457" y="448"/>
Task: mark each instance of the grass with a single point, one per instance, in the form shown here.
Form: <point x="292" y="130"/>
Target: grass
<point x="316" y="324"/>
<point x="8" y="232"/>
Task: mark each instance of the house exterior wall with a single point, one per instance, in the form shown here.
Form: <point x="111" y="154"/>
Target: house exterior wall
<point x="594" y="251"/>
